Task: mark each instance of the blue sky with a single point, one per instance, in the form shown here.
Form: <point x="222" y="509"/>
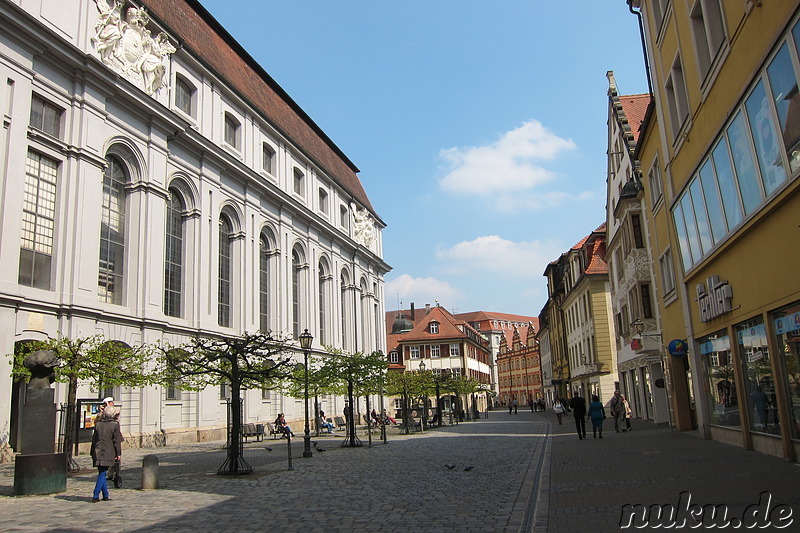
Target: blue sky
<point x="479" y="126"/>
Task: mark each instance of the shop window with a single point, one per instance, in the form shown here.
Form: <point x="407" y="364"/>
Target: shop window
<point x="786" y="324"/>
<point x="715" y="352"/>
<point x="762" y="125"/>
<point x="785" y="94"/>
<point x="759" y="385"/>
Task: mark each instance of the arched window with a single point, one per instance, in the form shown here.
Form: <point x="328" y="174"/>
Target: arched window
<point x="263" y="284"/>
<point x="323" y="287"/>
<point x="298" y="291"/>
<point x="224" y="287"/>
<point x="343" y="283"/>
<point x="173" y="255"/>
<point x="112" y="232"/>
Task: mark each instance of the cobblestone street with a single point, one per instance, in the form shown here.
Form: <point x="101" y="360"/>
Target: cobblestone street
<point x="528" y="474"/>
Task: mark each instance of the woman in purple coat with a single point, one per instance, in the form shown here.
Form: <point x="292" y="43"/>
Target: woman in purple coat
<point x="106" y="448"/>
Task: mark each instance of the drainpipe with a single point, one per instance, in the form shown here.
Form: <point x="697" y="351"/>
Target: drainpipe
<point x="644" y="46"/>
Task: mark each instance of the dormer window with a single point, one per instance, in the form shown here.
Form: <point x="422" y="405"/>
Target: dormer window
<point x="394" y="357"/>
<point x="433" y="327"/>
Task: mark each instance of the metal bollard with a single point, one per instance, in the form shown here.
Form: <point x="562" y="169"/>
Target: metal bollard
<point x="150" y="472"/>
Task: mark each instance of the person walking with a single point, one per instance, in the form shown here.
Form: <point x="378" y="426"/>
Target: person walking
<point x="617" y="409"/>
<point x="558" y="409"/>
<point x="578" y="406"/>
<point x="514" y="403"/>
<point x="628" y="413"/>
<point x="597" y="413"/>
<point x="106" y="448"/>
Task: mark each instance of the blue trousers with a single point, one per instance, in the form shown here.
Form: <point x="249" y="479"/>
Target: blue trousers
<point x="102" y="483"/>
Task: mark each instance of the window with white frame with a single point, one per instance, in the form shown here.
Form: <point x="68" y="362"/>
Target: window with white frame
<point x="677" y="100"/>
<point x="263" y="283"/>
<point x="654" y="182"/>
<point x="344" y="218"/>
<point x="323" y="201"/>
<point x="45" y="116"/>
<point x="414" y="350"/>
<point x="38" y="221"/>
<point x="267" y="158"/>
<point x="433" y="327"/>
<point x="112" y="232"/>
<point x="185" y="94"/>
<point x="224" y="291"/>
<point x="667" y="272"/>
<point x="708" y="31"/>
<point x="173" y="255"/>
<point x="455" y="350"/>
<point x="394" y="357"/>
<point x="232" y="131"/>
<point x="436" y="350"/>
<point x="298" y="182"/>
<point x="173" y="392"/>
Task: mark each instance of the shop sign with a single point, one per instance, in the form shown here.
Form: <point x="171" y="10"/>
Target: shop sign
<point x="715" y="300"/>
<point x="678" y="348"/>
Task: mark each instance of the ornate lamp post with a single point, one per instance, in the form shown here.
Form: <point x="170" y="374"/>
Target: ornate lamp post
<point x="424" y="403"/>
<point x="305" y="343"/>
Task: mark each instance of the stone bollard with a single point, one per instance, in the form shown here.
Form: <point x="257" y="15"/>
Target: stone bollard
<point x="150" y="472"/>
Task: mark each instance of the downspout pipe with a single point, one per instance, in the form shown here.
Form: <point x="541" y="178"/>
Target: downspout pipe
<point x="644" y="46"/>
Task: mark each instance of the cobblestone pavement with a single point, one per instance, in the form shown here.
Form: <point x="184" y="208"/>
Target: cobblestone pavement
<point x="528" y="474"/>
<point x="400" y="486"/>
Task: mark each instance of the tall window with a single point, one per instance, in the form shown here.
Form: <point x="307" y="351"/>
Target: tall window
<point x="344" y="219"/>
<point x="677" y="100"/>
<point x="298" y="183"/>
<point x="667" y="272"/>
<point x="296" y="266"/>
<point x="267" y="158"/>
<point x="224" y="278"/>
<point x="184" y="96"/>
<point x="45" y="116"/>
<point x="173" y="255"/>
<point x="343" y="298"/>
<point x="654" y="181"/>
<point x="232" y="131"/>
<point x="636" y="227"/>
<point x="708" y="30"/>
<point x="263" y="284"/>
<point x="38" y="221"/>
<point x="112" y="232"/>
<point x="324" y="284"/>
<point x="323" y="201"/>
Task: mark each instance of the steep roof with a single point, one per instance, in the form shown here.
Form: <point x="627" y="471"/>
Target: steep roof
<point x="207" y="40"/>
<point x="634" y="108"/>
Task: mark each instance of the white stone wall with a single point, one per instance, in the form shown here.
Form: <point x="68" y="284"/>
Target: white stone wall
<point x="45" y="50"/>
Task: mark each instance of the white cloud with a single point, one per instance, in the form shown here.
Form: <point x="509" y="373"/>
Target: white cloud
<point x="419" y="290"/>
<point x="508" y="162"/>
<point x="494" y="254"/>
<point x="508" y="170"/>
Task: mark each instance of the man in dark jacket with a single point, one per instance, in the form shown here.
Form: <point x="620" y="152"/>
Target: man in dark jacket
<point x="578" y="406"/>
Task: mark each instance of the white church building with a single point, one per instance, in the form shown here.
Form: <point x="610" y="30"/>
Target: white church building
<point x="158" y="184"/>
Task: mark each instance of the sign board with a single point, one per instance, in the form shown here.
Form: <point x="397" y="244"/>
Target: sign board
<point x="715" y="300"/>
<point x="678" y="348"/>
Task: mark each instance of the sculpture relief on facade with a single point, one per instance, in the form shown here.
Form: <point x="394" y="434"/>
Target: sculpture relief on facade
<point x="129" y="48"/>
<point x="363" y="227"/>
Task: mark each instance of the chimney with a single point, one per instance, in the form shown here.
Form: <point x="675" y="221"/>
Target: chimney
<point x="427" y="308"/>
<point x="412" y="312"/>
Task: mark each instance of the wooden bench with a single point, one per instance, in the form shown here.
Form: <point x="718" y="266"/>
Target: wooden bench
<point x="339" y="422"/>
<point x="252" y="430"/>
<point x="274" y="433"/>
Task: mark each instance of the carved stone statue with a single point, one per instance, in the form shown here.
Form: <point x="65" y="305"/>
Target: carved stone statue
<point x="41" y="364"/>
<point x="363" y="227"/>
<point x="129" y="48"/>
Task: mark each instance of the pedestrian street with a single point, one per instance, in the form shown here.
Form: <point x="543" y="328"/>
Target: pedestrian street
<point x="504" y="473"/>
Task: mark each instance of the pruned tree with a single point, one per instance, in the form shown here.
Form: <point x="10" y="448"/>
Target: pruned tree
<point x="463" y="386"/>
<point x="249" y="361"/>
<point x="104" y="363"/>
<point x="354" y="373"/>
<point x="319" y="382"/>
<point x="407" y="385"/>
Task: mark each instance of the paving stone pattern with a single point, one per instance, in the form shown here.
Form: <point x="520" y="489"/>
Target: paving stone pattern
<point x="528" y="474"/>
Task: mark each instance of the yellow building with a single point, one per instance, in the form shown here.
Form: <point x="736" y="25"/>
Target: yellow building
<point x="719" y="157"/>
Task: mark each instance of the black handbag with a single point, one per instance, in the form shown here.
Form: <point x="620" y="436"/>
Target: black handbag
<point x="114" y="474"/>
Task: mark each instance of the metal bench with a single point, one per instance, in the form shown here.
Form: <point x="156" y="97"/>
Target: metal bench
<point x="252" y="430"/>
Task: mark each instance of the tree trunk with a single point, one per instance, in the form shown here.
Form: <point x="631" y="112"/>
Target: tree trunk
<point x="70" y="423"/>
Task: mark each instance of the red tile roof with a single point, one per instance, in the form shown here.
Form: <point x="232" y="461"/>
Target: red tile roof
<point x="634" y="107"/>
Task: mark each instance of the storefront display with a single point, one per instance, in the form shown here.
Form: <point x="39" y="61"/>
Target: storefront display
<point x="715" y="350"/>
<point x="786" y="324"/>
<point x="759" y="385"/>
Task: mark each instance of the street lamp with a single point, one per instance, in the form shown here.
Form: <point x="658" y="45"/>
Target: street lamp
<point x="305" y="343"/>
